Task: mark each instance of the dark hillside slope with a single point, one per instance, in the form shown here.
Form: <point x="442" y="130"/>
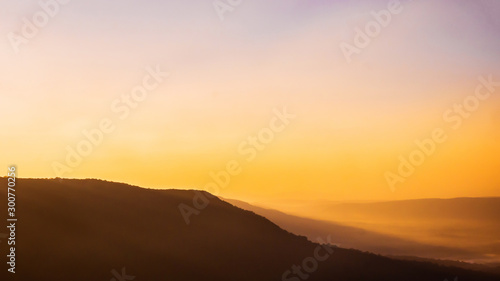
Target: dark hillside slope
<point x="83" y="229"/>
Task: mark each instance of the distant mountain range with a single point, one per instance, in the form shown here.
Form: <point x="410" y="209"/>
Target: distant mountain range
<point x="386" y="244"/>
<point x="464" y="229"/>
<point x="97" y="230"/>
<point x="348" y="236"/>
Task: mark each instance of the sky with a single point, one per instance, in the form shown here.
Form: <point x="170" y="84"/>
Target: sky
<point x="229" y="72"/>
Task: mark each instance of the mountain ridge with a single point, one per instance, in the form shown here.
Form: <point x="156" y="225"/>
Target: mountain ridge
<point x="88" y="229"/>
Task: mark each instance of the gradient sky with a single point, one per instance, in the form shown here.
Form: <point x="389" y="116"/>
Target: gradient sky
<point x="353" y="119"/>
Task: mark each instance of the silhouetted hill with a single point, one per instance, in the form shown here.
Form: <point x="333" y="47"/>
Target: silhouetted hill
<point x="83" y="229"/>
<point x="493" y="267"/>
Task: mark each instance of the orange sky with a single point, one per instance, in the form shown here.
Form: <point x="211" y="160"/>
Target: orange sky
<point x="352" y="121"/>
